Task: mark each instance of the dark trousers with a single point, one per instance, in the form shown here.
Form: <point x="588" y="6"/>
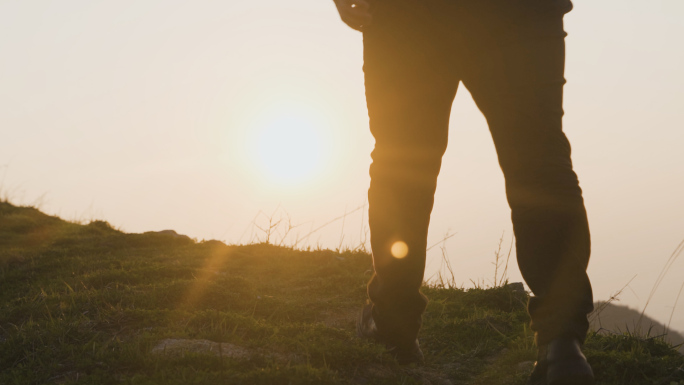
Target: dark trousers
<point x="510" y="54"/>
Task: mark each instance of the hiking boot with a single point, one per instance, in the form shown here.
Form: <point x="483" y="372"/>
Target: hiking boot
<point x="405" y="354"/>
<point x="561" y="362"/>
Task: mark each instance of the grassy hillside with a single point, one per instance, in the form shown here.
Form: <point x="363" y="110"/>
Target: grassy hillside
<point x="611" y="317"/>
<point x="88" y="304"/>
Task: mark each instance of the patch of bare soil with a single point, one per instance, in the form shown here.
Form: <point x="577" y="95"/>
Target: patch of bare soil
<point x="341" y="319"/>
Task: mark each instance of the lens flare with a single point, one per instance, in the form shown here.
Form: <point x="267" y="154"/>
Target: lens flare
<point x="399" y="250"/>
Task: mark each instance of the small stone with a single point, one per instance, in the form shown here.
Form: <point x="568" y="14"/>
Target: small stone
<point x="172" y="233"/>
<point x="526" y="366"/>
<point x="179" y="347"/>
<point x="174" y="346"/>
<point x="517" y="287"/>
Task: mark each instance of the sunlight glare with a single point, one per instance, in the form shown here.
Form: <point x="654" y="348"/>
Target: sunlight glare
<point x="289" y="148"/>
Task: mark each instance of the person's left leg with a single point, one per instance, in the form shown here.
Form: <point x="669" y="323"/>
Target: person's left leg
<point x="516" y="78"/>
<point x="515" y="72"/>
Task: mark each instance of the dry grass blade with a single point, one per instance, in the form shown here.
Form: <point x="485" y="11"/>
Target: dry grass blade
<point x="667" y="328"/>
<point x="615" y="297"/>
<point x="307" y="235"/>
<point x="668" y="265"/>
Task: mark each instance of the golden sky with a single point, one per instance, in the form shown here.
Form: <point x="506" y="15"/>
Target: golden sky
<point x="196" y="116"/>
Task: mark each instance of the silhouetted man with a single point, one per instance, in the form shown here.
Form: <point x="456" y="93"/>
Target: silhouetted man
<point x="510" y="54"/>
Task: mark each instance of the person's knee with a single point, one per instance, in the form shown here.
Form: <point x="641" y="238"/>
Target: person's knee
<point x="410" y="163"/>
<point x="547" y="185"/>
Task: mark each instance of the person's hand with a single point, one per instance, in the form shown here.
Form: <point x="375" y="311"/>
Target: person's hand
<point x="355" y="13"/>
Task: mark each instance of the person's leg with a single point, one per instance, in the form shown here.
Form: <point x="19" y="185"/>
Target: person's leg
<point x="409" y="92"/>
<point x="516" y="77"/>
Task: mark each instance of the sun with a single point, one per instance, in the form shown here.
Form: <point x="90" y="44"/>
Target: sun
<point x="289" y="148"/>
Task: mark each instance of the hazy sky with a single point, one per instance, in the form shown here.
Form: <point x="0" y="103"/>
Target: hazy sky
<point x="196" y="116"/>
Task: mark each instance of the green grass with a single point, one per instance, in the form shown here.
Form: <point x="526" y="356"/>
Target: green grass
<point x="87" y="304"/>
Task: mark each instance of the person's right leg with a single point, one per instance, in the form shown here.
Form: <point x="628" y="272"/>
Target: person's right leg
<point x="409" y="91"/>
